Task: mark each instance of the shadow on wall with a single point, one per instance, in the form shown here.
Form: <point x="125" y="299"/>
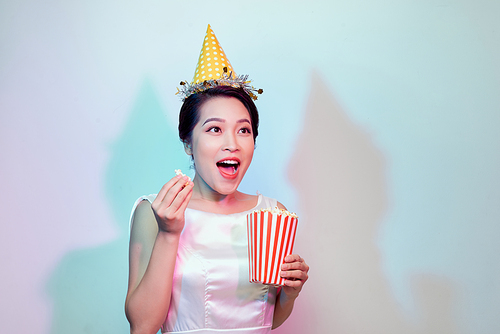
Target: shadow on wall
<point x="88" y="287"/>
<point x="340" y="176"/>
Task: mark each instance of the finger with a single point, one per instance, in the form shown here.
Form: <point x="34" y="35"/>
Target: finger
<point x="182" y="208"/>
<point x="293" y="258"/>
<point x="173" y="192"/>
<point x="295" y="266"/>
<point x="293" y="284"/>
<point x="294" y="274"/>
<point x="163" y="191"/>
<point x="179" y="204"/>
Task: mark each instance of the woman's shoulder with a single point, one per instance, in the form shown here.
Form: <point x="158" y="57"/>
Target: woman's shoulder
<point x="268" y="202"/>
<point x="150" y="198"/>
<point x="140" y="207"/>
<point x="265" y="202"/>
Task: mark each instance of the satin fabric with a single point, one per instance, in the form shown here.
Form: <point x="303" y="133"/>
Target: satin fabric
<point x="211" y="291"/>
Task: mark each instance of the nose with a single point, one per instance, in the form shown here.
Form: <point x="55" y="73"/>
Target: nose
<point x="230" y="142"/>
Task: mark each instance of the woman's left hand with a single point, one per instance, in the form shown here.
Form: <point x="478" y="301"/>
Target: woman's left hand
<point x="294" y="271"/>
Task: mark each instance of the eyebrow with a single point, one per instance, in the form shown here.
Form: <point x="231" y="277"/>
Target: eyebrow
<point x="215" y="119"/>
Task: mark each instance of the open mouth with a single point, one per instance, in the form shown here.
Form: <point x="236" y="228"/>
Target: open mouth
<point x="228" y="167"/>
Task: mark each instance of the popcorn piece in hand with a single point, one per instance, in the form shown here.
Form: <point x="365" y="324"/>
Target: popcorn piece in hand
<point x="179" y="172"/>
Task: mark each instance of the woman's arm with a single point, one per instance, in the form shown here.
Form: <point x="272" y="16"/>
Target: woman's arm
<point x="294" y="270"/>
<point x="154" y="240"/>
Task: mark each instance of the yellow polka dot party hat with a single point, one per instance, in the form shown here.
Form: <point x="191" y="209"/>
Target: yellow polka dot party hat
<point x="214" y="69"/>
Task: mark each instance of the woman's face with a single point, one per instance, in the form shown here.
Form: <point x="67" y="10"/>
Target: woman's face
<point x="222" y="144"/>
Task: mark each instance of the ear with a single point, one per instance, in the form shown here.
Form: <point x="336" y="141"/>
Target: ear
<point x="187" y="149"/>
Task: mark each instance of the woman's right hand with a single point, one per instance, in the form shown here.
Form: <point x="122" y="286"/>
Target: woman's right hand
<point x="171" y="202"/>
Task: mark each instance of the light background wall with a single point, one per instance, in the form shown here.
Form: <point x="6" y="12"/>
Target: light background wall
<point x="379" y="127"/>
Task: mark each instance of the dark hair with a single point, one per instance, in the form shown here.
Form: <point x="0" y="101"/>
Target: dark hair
<point x="189" y="114"/>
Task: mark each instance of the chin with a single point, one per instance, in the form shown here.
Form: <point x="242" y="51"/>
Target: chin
<point x="227" y="190"/>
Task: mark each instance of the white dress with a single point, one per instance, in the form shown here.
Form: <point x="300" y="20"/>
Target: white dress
<point x="211" y="292"/>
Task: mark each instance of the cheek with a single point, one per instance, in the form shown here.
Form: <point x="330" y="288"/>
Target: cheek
<point x="208" y="146"/>
<point x="205" y="147"/>
<point x="249" y="149"/>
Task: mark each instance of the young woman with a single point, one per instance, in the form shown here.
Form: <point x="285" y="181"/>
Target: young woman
<point x="188" y="249"/>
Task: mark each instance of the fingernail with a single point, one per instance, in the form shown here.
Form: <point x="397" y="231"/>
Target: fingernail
<point x="284" y="266"/>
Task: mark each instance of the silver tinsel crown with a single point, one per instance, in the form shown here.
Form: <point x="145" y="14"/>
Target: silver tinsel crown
<point x="236" y="81"/>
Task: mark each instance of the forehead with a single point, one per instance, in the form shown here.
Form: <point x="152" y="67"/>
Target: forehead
<point x="227" y="108"/>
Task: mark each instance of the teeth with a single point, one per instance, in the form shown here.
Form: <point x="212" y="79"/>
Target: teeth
<point x="229" y="162"/>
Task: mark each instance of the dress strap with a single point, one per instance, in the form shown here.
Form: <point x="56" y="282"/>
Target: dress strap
<point x="267" y="202"/>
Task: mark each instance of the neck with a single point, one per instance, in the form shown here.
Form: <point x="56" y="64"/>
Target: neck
<point x="207" y="199"/>
<point x="202" y="192"/>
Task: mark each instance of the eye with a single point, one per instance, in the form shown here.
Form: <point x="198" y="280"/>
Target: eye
<point x="215" y="129"/>
<point x="245" y="130"/>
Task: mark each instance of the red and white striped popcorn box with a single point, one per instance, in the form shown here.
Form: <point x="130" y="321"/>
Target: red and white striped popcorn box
<point x="271" y="235"/>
